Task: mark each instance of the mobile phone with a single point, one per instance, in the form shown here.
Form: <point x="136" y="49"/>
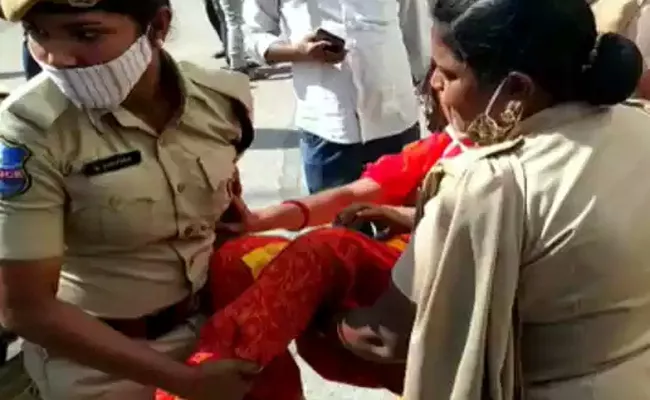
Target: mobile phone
<point x="337" y="43"/>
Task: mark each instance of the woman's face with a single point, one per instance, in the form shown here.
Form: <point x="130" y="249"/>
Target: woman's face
<point x="458" y="90"/>
<point x="79" y="40"/>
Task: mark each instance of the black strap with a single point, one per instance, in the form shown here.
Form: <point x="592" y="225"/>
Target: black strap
<point x="247" y="129"/>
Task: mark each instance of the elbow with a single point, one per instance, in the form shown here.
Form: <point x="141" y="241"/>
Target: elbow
<point x="380" y="333"/>
<point x="375" y="341"/>
<point x="375" y="345"/>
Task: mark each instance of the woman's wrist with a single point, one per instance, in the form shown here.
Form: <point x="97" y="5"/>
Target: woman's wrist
<point x="304" y="214"/>
<point x="290" y="215"/>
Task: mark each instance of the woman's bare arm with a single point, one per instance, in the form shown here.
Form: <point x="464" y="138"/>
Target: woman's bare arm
<point x="29" y="308"/>
<point x="323" y="207"/>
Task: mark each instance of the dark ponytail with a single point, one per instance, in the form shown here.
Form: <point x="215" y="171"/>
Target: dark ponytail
<point x="613" y="71"/>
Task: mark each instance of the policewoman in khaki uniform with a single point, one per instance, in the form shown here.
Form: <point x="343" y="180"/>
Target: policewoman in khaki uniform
<point x="528" y="275"/>
<point x="116" y="163"/>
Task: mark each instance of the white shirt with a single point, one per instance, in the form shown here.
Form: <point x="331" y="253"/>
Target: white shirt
<point x="369" y="95"/>
<point x="639" y="30"/>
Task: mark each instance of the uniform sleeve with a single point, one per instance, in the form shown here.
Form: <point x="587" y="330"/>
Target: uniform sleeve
<point x="461" y="269"/>
<point x="262" y="27"/>
<point x="31" y="197"/>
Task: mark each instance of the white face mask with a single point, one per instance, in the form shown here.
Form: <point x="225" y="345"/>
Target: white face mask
<point x="103" y="86"/>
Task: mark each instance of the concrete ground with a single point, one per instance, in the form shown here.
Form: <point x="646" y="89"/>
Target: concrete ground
<point x="271" y="170"/>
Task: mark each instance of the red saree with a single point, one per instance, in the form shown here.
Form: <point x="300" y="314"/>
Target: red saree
<point x="267" y="290"/>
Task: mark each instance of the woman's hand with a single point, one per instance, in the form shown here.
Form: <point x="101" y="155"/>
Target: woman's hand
<point x="389" y="220"/>
<point x="223" y="380"/>
<point x="237" y="219"/>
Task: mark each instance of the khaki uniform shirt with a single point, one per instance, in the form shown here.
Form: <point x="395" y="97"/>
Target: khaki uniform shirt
<point x="530" y="266"/>
<point x="131" y="211"/>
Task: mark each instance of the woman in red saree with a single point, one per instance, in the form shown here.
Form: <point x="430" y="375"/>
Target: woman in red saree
<point x="241" y="329"/>
<point x="392" y="181"/>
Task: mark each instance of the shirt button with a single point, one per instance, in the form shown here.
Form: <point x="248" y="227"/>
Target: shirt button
<point x="205" y="227"/>
<point x="114" y="202"/>
<point x="180" y="188"/>
<point x="189" y="232"/>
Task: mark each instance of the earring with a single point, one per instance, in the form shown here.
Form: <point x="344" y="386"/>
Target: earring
<point x="485" y="130"/>
<point x="512" y="114"/>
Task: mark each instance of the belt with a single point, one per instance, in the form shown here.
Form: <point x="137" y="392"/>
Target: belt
<point x="162" y="322"/>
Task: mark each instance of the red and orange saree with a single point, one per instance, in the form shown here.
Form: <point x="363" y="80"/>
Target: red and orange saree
<point x="268" y="290"/>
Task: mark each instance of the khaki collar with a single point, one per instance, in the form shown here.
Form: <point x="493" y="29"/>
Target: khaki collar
<point x="550" y="119"/>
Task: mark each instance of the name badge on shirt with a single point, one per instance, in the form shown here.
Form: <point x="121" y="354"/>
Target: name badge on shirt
<point x="112" y="163"/>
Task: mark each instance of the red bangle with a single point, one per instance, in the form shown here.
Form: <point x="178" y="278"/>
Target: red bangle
<point x="304" y="210"/>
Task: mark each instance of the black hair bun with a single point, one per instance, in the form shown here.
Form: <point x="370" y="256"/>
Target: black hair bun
<point x="613" y="72"/>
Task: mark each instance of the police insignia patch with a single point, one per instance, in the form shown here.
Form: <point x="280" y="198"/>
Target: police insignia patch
<point x="14" y="179"/>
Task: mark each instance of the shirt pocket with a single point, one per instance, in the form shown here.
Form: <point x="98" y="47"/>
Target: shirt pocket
<point x="121" y="209"/>
<point x="219" y="182"/>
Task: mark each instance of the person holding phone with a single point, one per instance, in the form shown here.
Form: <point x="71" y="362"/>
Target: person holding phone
<point x="353" y="68"/>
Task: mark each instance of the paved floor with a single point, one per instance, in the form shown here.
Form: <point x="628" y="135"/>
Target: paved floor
<point x="270" y="171"/>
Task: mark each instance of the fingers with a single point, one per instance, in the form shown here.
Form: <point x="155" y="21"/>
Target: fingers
<point x="321" y="50"/>
<point x="240" y="204"/>
<point x="246" y="369"/>
<point x="250" y="371"/>
<point x="240" y="208"/>
<point x="349" y="214"/>
<point x="230" y="227"/>
<point x="235" y="184"/>
<point x="334" y="57"/>
<point x="371" y="213"/>
<point x="320" y="45"/>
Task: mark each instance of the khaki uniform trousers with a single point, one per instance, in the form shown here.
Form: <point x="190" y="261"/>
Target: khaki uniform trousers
<point x="61" y="379"/>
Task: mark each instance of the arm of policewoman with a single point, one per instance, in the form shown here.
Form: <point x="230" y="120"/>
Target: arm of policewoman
<point x="32" y="220"/>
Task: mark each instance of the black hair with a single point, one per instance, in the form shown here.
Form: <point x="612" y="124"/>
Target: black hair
<point x="433" y="115"/>
<point x="553" y="41"/>
<point x="141" y="11"/>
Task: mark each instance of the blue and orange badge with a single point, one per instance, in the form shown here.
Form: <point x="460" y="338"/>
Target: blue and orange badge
<point x="14" y="179"/>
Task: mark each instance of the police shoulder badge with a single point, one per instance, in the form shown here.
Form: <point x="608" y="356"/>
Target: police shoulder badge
<point x="14" y="179"/>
